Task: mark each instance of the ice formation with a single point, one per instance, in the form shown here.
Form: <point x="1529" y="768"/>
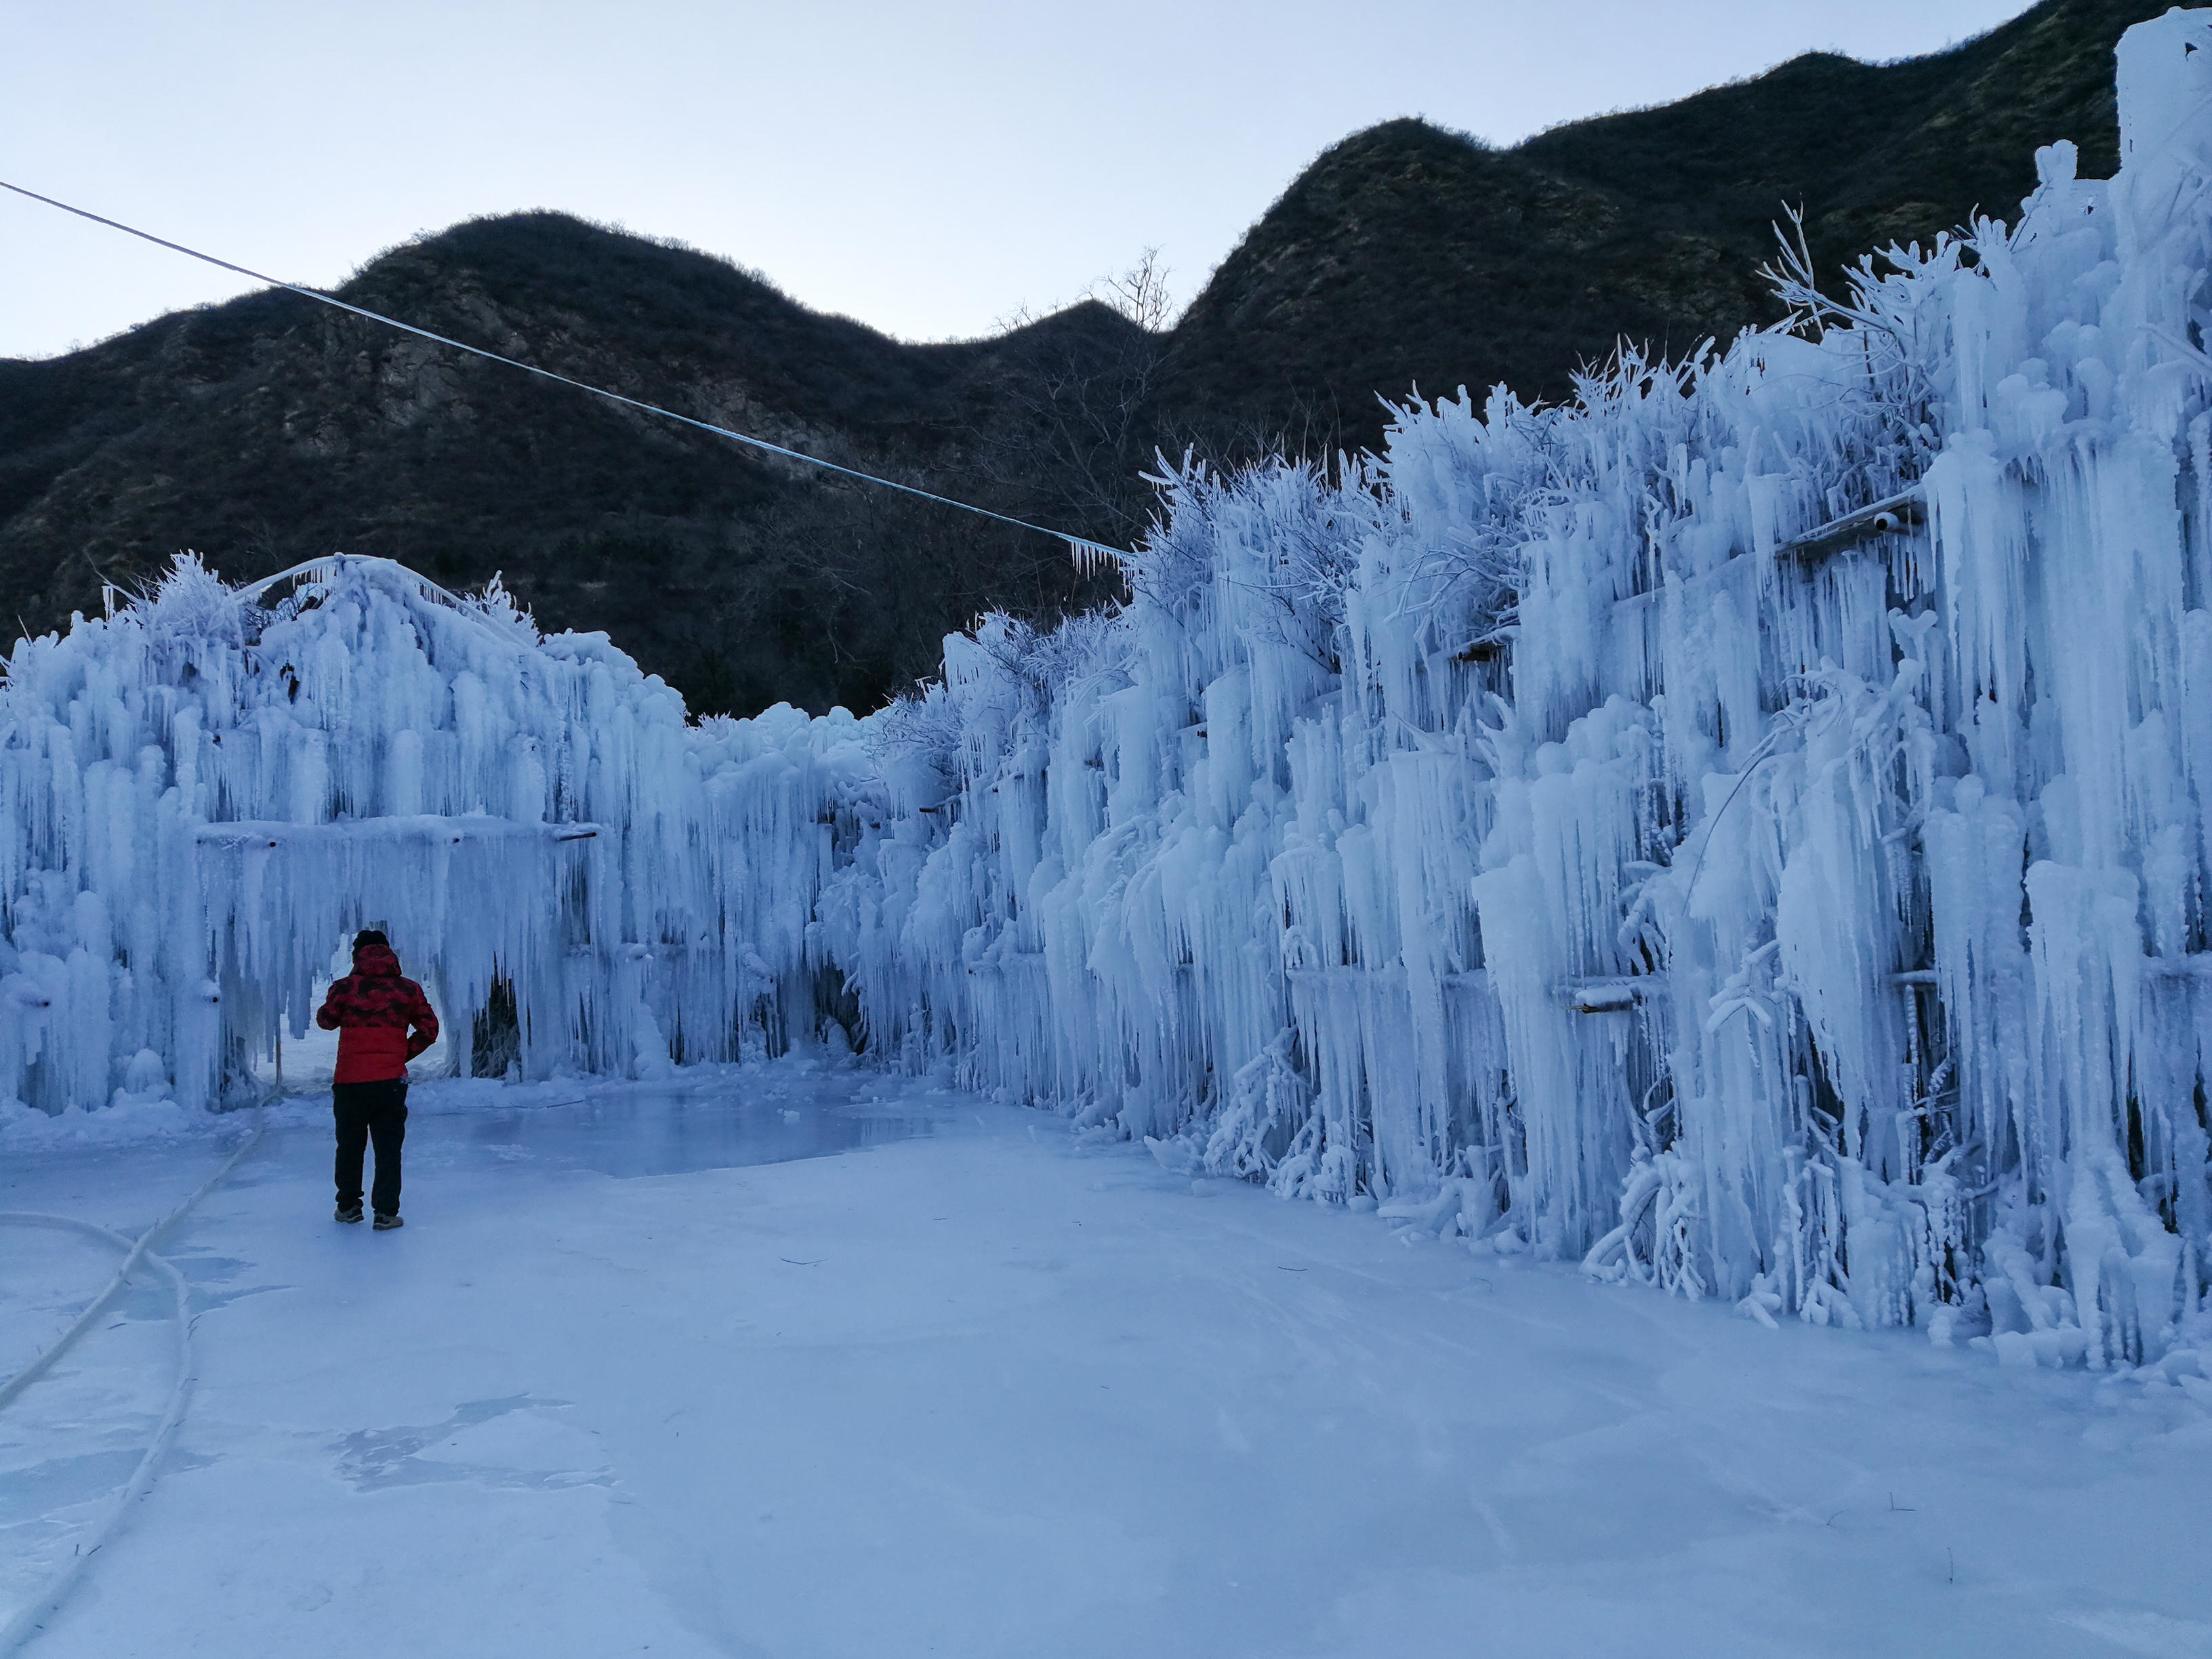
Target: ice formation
<point x="210" y="789"/>
<point x="1747" y="828"/>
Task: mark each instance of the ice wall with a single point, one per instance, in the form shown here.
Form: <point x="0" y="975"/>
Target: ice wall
<point x="1746" y="829"/>
<point x="202" y="794"/>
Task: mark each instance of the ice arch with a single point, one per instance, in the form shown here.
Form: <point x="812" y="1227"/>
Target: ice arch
<point x="204" y="790"/>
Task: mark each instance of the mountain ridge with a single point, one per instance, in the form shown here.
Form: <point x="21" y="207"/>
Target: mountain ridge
<point x="269" y="429"/>
<point x="1664" y="216"/>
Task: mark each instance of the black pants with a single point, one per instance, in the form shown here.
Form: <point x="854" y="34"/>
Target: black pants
<point x="366" y="1111"/>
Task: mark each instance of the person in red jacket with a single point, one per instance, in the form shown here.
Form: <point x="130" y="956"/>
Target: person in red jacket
<point x="383" y="1021"/>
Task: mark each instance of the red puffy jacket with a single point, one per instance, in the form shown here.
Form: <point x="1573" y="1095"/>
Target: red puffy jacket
<point x="370" y="1010"/>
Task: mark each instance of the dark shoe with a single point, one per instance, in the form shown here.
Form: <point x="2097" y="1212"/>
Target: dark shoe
<point x="385" y="1224"/>
<point x="348" y="1211"/>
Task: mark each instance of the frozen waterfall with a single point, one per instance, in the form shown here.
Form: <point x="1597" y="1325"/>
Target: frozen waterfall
<point x="1747" y="829"/>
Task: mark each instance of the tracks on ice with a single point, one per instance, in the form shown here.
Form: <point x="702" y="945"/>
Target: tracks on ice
<point x="32" y="1616"/>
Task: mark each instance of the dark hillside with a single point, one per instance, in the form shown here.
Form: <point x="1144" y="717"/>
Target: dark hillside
<point x="1409" y="255"/>
<point x="1412" y="257"/>
<point x="270" y="429"/>
<point x="1875" y="153"/>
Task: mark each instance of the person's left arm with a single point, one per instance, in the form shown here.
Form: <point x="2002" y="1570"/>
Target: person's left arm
<point x="424" y="1020"/>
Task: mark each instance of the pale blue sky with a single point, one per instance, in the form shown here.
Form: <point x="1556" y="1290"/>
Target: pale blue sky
<point x="926" y="169"/>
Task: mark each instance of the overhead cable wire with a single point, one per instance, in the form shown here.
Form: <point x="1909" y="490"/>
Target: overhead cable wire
<point x="1086" y="553"/>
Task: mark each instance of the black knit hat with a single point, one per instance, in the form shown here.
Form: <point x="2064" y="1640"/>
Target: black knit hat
<point x="369" y="936"/>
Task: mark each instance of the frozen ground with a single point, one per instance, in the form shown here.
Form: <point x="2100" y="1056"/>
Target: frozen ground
<point x="969" y="1385"/>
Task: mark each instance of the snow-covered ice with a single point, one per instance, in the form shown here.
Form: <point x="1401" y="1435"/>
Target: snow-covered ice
<point x="990" y="1389"/>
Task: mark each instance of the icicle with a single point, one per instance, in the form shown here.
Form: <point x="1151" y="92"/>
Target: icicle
<point x="1624" y="811"/>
